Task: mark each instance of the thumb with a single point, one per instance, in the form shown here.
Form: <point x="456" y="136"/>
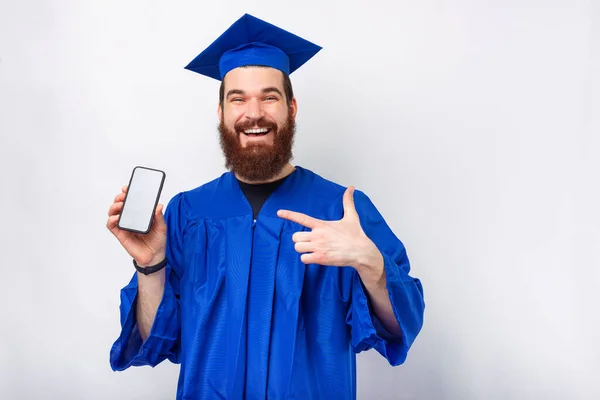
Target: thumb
<point x="158" y="215"/>
<point x="348" y="201"/>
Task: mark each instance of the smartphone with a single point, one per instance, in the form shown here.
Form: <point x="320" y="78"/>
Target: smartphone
<point x="143" y="193"/>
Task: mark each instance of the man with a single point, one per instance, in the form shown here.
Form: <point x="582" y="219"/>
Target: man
<point x="265" y="282"/>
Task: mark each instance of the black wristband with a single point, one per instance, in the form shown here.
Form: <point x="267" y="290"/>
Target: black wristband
<point x="151" y="269"/>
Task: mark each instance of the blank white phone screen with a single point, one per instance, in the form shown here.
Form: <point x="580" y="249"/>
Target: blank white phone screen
<point x="141" y="198"/>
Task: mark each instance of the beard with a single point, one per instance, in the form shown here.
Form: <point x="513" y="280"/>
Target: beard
<point x="258" y="161"/>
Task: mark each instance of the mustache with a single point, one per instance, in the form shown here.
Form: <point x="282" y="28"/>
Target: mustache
<point x="261" y="122"/>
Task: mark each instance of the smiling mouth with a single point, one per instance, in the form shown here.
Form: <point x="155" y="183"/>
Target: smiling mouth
<point x="256" y="132"/>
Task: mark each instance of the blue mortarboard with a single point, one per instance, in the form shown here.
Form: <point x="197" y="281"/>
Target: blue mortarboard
<point x="252" y="41"/>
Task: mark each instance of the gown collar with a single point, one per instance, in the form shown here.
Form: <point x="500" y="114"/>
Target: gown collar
<point x="280" y="197"/>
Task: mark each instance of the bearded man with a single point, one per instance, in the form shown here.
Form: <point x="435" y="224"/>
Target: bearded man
<point x="265" y="282"/>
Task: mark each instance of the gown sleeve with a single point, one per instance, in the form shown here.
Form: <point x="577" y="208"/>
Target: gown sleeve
<point x="163" y="341"/>
<point x="405" y="292"/>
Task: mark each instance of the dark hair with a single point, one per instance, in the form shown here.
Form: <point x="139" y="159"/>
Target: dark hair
<point x="287" y="87"/>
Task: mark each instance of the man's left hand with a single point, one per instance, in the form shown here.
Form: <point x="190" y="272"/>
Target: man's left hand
<point x="334" y="243"/>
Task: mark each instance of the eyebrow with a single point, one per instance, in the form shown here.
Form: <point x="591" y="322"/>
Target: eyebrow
<point x="272" y="89"/>
<point x="265" y="90"/>
<point x="234" y="91"/>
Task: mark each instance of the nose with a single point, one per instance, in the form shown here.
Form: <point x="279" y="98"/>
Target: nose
<point x="254" y="110"/>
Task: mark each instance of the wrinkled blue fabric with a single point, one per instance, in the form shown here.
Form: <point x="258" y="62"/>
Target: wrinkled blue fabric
<point x="246" y="318"/>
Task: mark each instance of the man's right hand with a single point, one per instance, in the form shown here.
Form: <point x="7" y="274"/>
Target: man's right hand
<point x="148" y="249"/>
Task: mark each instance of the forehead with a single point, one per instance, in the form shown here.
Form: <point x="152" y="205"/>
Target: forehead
<point x="253" y="79"/>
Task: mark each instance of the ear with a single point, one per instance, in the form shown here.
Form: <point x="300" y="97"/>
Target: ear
<point x="220" y="112"/>
<point x="293" y="107"/>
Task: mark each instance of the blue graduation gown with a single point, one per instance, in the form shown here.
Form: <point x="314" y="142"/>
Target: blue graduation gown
<point x="246" y="318"/>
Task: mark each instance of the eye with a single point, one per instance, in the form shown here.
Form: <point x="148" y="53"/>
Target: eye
<point x="271" y="98"/>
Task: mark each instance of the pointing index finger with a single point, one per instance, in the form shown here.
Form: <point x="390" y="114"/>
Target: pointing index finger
<point x="299" y="218"/>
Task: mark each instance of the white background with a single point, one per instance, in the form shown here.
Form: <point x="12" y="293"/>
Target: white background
<point x="474" y="127"/>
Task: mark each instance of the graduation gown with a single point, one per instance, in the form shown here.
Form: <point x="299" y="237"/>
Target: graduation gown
<point x="246" y="318"/>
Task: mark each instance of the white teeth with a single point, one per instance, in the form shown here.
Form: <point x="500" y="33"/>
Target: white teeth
<point x="256" y="131"/>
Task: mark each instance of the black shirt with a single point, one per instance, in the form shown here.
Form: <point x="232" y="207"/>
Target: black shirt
<point x="257" y="194"/>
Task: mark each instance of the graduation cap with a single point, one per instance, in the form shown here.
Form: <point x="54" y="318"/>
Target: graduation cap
<point x="252" y="41"/>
